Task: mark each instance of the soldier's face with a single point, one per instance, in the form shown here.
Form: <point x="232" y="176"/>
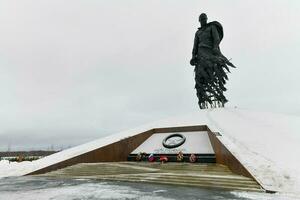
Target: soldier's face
<point x="203" y="20"/>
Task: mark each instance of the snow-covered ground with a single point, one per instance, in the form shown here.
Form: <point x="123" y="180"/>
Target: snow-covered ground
<point x="267" y="144"/>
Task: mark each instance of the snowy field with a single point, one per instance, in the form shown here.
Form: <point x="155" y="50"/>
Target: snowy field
<point x="267" y="144"/>
<point x="29" y="188"/>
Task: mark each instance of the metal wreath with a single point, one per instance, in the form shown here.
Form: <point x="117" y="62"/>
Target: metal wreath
<point x="170" y="146"/>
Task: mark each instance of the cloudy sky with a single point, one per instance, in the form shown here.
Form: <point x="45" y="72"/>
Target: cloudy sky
<point x="75" y="70"/>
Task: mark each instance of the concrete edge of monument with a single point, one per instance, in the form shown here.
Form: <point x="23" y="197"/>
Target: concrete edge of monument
<point x="212" y="148"/>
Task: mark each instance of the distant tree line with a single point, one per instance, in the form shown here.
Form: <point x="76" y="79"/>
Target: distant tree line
<point x="26" y="153"/>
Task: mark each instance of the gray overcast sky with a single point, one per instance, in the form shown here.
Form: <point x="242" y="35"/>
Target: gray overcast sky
<point x="72" y="71"/>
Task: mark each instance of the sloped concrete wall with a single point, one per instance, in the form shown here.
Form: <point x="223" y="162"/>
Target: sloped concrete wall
<point x="225" y="157"/>
<point x="114" y="152"/>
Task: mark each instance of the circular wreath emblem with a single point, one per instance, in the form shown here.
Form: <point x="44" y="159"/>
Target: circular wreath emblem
<point x="173" y="140"/>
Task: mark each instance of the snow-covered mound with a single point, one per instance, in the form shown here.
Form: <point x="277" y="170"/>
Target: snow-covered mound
<point x="267" y="144"/>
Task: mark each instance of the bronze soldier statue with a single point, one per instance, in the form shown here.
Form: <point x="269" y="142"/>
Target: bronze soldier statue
<point x="210" y="64"/>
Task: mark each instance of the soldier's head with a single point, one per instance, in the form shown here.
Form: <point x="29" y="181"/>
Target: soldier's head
<point x="203" y="19"/>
